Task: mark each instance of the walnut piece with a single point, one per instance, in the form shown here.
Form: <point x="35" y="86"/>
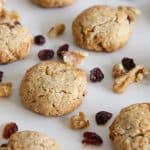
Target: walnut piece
<point x="57" y="30"/>
<point x="135" y="75"/>
<point x="74" y="58"/>
<point x="79" y="121"/>
<point x="5" y="89"/>
<point x="118" y="70"/>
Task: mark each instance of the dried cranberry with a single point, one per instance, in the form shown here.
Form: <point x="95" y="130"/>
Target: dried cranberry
<point x="96" y="75"/>
<point x="9" y="129"/>
<point x="61" y="50"/>
<point x="4" y="145"/>
<point x="128" y="63"/>
<point x="46" y="54"/>
<point x="39" y="40"/>
<point x="1" y="75"/>
<point x="91" y="138"/>
<point x="102" y="117"/>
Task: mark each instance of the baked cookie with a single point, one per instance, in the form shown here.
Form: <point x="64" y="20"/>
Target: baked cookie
<point x="53" y="88"/>
<point x="131" y="128"/>
<point x="53" y="3"/>
<point x="31" y="140"/>
<point x="16" y="40"/>
<point x="104" y="28"/>
<point x="2" y="2"/>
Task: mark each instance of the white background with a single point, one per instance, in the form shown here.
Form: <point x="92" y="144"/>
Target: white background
<point x="100" y="95"/>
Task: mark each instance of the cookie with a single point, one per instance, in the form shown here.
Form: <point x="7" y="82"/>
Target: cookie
<point x="2" y="2"/>
<point x="131" y="128"/>
<point x="16" y="40"/>
<point x="31" y="140"/>
<point x="104" y="28"/>
<point x="53" y="88"/>
<point x="53" y="3"/>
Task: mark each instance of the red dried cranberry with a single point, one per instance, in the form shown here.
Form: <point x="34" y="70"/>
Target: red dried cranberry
<point x="39" y="40"/>
<point x="46" y="54"/>
<point x="61" y="50"/>
<point x="91" y="138"/>
<point x="1" y="75"/>
<point x="102" y="117"/>
<point x="9" y="129"/>
<point x="128" y="63"/>
<point x="96" y="75"/>
<point x="4" y="145"/>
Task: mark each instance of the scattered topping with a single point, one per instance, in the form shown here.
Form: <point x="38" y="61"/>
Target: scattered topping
<point x="46" y="54"/>
<point x="74" y="58"/>
<point x="1" y="75"/>
<point x="135" y="75"/>
<point x="128" y="63"/>
<point x="102" y="117"/>
<point x="9" y="129"/>
<point x="79" y="121"/>
<point x="61" y="50"/>
<point x="5" y="89"/>
<point x="39" y="40"/>
<point x="96" y="75"/>
<point x="91" y="138"/>
<point x="57" y="30"/>
<point x="4" y="145"/>
<point x="118" y="70"/>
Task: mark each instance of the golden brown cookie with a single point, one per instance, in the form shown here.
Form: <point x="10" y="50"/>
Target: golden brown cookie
<point x="53" y="88"/>
<point x="16" y="40"/>
<point x="104" y="28"/>
<point x="31" y="140"/>
<point x="131" y="128"/>
<point x="53" y="3"/>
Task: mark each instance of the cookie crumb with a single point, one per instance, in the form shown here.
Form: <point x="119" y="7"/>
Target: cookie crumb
<point x="5" y="89"/>
<point x="79" y="121"/>
<point x="57" y="30"/>
<point x="74" y="58"/>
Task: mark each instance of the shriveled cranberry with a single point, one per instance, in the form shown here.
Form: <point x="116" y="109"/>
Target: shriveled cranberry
<point x="46" y="54"/>
<point x="1" y="75"/>
<point x="4" y="145"/>
<point x="128" y="63"/>
<point x="96" y="75"/>
<point x="9" y="129"/>
<point x="61" y="50"/>
<point x="102" y="117"/>
<point x="39" y="40"/>
<point x="91" y="138"/>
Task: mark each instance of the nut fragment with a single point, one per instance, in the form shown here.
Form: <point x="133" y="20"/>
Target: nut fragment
<point x="79" y="121"/>
<point x="74" y="58"/>
<point x="57" y="30"/>
<point x="118" y="70"/>
<point x="5" y="89"/>
<point x="135" y="75"/>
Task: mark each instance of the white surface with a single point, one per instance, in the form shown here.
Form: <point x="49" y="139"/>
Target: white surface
<point x="100" y="95"/>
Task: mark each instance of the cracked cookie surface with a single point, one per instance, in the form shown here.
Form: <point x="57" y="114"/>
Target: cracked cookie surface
<point x="15" y="39"/>
<point x="104" y="28"/>
<point x="53" y="88"/>
<point x="53" y="3"/>
<point x="131" y="128"/>
<point x="31" y="140"/>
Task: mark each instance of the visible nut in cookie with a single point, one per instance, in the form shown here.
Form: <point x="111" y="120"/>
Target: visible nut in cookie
<point x="79" y="121"/>
<point x="137" y="74"/>
<point x="5" y="89"/>
<point x="74" y="58"/>
<point x="118" y="70"/>
<point x="57" y="30"/>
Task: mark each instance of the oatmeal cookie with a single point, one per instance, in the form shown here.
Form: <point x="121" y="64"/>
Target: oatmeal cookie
<point x="104" y="28"/>
<point x="53" y="88"/>
<point x="131" y="128"/>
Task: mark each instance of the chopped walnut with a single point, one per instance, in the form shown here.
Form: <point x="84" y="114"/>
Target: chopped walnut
<point x="118" y="70"/>
<point x="57" y="30"/>
<point x="5" y="89"/>
<point x="135" y="75"/>
<point x="74" y="58"/>
<point x="79" y="121"/>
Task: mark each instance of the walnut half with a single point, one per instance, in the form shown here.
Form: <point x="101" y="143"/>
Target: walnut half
<point x="79" y="121"/>
<point x="135" y="75"/>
